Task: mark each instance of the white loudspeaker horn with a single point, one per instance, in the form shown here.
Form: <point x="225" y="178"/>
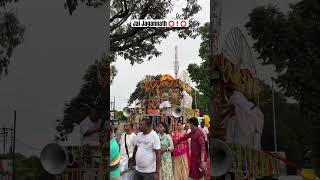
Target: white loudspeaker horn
<point x="54" y="158"/>
<point x="221" y="158"/>
<point x="126" y="112"/>
<point x="177" y="112"/>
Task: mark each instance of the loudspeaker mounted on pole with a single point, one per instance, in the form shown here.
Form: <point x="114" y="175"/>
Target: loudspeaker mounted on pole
<point x="177" y="112"/>
<point x="126" y="112"/>
<point x="54" y="158"/>
<point x="221" y="158"/>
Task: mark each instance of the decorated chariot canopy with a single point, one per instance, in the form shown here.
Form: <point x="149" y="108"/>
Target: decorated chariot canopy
<point x="166" y="84"/>
<point x="241" y="79"/>
<point x="237" y="66"/>
<point x="163" y="100"/>
<point x="166" y="93"/>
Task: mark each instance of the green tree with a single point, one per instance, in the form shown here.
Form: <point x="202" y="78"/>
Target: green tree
<point x="290" y="42"/>
<point x="139" y="93"/>
<point x="120" y="116"/>
<point x="11" y="35"/>
<point x="90" y="95"/>
<point x="3" y="3"/>
<point x="138" y="44"/>
<point x="200" y="73"/>
<point x="72" y="5"/>
<point x="200" y="101"/>
<point x="30" y="168"/>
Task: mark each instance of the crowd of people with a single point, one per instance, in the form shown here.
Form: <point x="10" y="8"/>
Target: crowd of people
<point x="156" y="154"/>
<point x="147" y="153"/>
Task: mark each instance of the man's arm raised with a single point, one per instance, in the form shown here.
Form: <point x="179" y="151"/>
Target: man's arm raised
<point x="185" y="137"/>
<point x="90" y="132"/>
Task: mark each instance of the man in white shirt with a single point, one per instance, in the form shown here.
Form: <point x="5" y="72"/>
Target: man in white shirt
<point x="244" y="121"/>
<point x="187" y="127"/>
<point x="89" y="129"/>
<point x="188" y="130"/>
<point x="127" y="144"/>
<point x="205" y="131"/>
<point x="147" y="152"/>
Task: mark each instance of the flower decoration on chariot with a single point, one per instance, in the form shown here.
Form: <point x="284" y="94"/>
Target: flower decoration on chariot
<point x="166" y="77"/>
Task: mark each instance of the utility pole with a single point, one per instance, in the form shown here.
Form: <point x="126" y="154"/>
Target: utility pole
<point x="195" y="99"/>
<point x="211" y="57"/>
<point x="14" y="145"/>
<point x="274" y="120"/>
<point x="4" y="133"/>
<point x="11" y="145"/>
<point x="214" y="29"/>
<point x="176" y="63"/>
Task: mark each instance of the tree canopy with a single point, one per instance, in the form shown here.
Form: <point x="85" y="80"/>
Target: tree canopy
<point x="90" y="95"/>
<point x="138" y="44"/>
<point x="11" y="36"/>
<point x="290" y="42"/>
<point x="72" y="5"/>
<point x="30" y="168"/>
<point x="3" y="3"/>
<point x="200" y="73"/>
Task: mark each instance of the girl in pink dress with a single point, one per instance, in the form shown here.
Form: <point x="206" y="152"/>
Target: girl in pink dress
<point x="180" y="154"/>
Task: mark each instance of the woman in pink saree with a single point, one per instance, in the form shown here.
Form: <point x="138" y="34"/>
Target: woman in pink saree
<point x="180" y="154"/>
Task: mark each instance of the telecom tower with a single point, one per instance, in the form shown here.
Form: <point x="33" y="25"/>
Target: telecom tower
<point x="176" y="63"/>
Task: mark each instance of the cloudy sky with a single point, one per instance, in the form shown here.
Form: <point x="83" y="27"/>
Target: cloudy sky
<point x="46" y="70"/>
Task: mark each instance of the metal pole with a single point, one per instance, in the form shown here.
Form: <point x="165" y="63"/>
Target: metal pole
<point x="11" y="145"/>
<point x="211" y="57"/>
<point x="195" y="98"/>
<point x="14" y="146"/>
<point x="274" y="120"/>
<point x="4" y="140"/>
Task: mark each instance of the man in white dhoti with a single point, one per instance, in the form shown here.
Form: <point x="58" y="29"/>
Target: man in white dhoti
<point x="186" y="100"/>
<point x="127" y="144"/>
<point x="244" y="121"/>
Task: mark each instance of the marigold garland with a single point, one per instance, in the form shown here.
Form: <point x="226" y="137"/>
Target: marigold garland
<point x="256" y="162"/>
